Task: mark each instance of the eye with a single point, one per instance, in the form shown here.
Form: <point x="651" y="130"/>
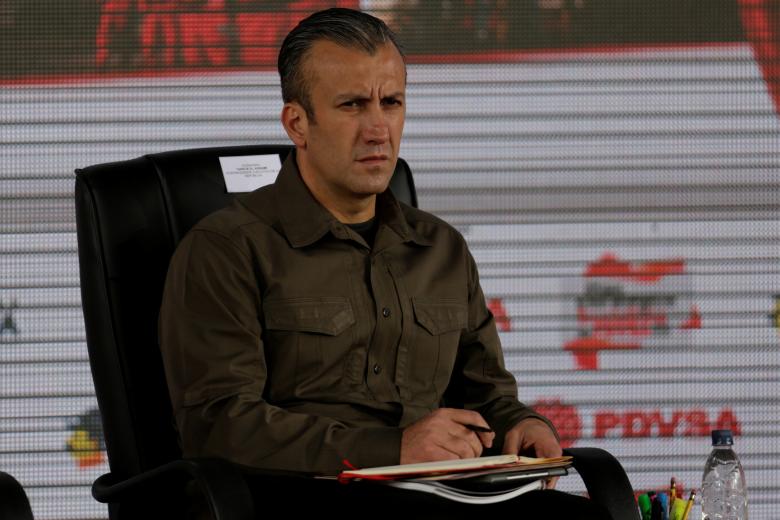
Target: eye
<point x="391" y="102"/>
<point x="352" y="103"/>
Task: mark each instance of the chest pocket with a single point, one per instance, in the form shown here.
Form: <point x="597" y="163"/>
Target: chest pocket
<point x="330" y="316"/>
<point x="307" y="342"/>
<point x="439" y="323"/>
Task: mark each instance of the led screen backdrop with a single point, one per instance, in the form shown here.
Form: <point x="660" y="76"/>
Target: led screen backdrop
<point x="612" y="163"/>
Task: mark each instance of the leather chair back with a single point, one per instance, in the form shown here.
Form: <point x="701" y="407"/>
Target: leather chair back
<point x="130" y="217"/>
<point x="14" y="504"/>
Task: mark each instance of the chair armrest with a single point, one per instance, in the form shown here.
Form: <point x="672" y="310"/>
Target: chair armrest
<point x="606" y="481"/>
<point x="13" y="500"/>
<point x="221" y="482"/>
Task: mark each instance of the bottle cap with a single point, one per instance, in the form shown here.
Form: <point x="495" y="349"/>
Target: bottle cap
<point x="722" y="438"/>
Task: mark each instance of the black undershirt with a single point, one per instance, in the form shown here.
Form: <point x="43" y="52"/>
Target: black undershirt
<point x="366" y="229"/>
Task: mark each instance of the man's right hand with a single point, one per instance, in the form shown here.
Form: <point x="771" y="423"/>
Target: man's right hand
<point x="444" y="435"/>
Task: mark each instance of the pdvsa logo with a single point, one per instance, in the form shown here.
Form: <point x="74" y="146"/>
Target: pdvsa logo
<point x="634" y="422"/>
<point x="695" y="422"/>
<point x="564" y="417"/>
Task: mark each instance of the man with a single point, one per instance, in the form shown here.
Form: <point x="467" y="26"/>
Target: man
<point x="317" y="322"/>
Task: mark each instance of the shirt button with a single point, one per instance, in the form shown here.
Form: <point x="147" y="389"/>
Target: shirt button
<point x="386" y="312"/>
<point x="377" y="369"/>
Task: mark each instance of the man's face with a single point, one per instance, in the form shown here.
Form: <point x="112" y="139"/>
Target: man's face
<point x="348" y="150"/>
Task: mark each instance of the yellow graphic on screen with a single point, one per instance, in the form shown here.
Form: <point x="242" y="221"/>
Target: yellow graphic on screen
<point x="86" y="443"/>
<point x="85" y="449"/>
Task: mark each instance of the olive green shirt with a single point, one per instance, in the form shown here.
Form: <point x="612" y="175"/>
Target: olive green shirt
<point x="289" y="343"/>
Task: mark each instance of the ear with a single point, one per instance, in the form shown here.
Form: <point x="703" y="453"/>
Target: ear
<point x="295" y="123"/>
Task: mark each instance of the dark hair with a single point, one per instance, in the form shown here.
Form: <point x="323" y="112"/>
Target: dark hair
<point x="345" y="27"/>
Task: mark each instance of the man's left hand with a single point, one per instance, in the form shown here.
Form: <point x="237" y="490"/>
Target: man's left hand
<point x="534" y="438"/>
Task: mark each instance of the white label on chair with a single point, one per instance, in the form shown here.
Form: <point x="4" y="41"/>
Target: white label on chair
<point x="245" y="173"/>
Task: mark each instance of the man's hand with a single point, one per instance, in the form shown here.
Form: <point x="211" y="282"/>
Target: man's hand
<point x="445" y="435"/>
<point x="533" y="437"/>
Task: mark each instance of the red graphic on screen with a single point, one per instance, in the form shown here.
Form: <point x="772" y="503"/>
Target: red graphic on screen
<point x="163" y="34"/>
<point x="635" y="423"/>
<point x="647" y="272"/>
<point x="626" y="303"/>
<point x="564" y="417"/>
<point x="113" y="27"/>
<point x="503" y="322"/>
<point x="694" y="319"/>
<point x="761" y="20"/>
<point x="204" y="34"/>
<point x="158" y="31"/>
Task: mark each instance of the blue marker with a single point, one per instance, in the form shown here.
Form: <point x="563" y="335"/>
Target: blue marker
<point x="663" y="498"/>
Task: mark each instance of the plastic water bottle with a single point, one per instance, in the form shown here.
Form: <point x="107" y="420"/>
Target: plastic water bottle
<point x="723" y="488"/>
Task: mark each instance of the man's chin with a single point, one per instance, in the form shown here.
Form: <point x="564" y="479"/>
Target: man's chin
<point x="373" y="181"/>
<point x="368" y="190"/>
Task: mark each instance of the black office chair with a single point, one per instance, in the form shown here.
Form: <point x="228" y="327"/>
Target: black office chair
<point x="14" y="504"/>
<point x="130" y="216"/>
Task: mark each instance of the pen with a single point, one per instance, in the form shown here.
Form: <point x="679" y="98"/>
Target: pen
<point x="475" y="428"/>
<point x="672" y="492"/>
<point x="689" y="505"/>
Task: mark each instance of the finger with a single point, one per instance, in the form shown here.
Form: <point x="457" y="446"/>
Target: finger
<point x="511" y="444"/>
<point x="550" y="483"/>
<point x="486" y="438"/>
<point x="466" y="448"/>
<point x="436" y="453"/>
<point x="473" y="442"/>
<point x="467" y="417"/>
<point x="547" y="447"/>
<point x="537" y="439"/>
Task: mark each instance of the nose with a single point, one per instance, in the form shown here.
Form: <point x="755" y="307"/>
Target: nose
<point x="375" y="129"/>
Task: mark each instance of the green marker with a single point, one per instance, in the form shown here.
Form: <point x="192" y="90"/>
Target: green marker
<point x="645" y="506"/>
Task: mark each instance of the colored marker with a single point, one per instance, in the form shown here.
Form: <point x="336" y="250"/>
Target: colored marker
<point x="645" y="506"/>
<point x="678" y="510"/>
<point x="663" y="499"/>
<point x="657" y="511"/>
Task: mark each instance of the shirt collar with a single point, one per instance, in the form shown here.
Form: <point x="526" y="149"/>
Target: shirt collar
<point x="304" y="221"/>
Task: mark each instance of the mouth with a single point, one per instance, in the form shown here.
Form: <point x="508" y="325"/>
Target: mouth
<point x="372" y="159"/>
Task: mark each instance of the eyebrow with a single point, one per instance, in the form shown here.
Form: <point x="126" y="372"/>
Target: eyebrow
<point x="349" y="96"/>
<point x="354" y="95"/>
<point x="398" y="94"/>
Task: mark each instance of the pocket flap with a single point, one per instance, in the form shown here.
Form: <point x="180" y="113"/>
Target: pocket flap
<point x="329" y="316"/>
<point x="440" y="316"/>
